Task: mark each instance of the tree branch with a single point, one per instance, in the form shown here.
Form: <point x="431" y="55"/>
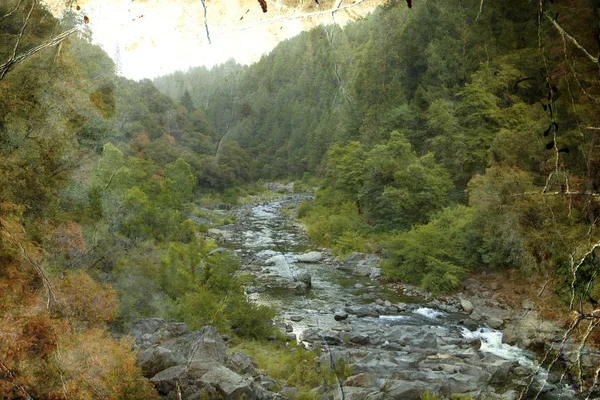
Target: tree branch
<point x="571" y="38"/>
<point x="4" y="68"/>
<point x="11" y="12"/>
<point x="206" y="21"/>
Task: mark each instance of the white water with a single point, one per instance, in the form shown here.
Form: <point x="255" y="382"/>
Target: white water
<point x="429" y="312"/>
<point x="491" y="342"/>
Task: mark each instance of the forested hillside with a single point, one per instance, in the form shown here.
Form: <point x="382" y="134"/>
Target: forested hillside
<point x="97" y="176"/>
<point x="452" y="136"/>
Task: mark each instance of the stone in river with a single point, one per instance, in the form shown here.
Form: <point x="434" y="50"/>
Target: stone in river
<point x="340" y="315"/>
<point x="312" y="257"/>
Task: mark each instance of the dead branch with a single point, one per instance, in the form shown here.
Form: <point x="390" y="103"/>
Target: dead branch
<point x="11" y="12"/>
<point x="4" y="68"/>
<point x="571" y="38"/>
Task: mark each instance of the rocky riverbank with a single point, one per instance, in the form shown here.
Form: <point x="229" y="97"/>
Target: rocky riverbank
<point x="399" y="341"/>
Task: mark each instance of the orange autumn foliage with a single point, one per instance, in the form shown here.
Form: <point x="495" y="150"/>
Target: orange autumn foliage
<point x="86" y="300"/>
<point x="59" y="347"/>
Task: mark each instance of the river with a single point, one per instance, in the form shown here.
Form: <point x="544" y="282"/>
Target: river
<point x="398" y="345"/>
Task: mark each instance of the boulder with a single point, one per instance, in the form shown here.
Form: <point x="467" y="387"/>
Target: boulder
<point x="494" y="323"/>
<point x="340" y="315"/>
<point x="360" y="380"/>
<point x="359" y="339"/>
<point x="362" y="311"/>
<point x="144" y="326"/>
<point x="466" y="305"/>
<point x="166" y="381"/>
<point x="305" y="278"/>
<point x="354" y="258"/>
<point x="241" y="363"/>
<point x="230" y="385"/>
<point x="157" y="359"/>
<point x="375" y="273"/>
<point x="205" y="344"/>
<point x="312" y="257"/>
<point x="365" y="266"/>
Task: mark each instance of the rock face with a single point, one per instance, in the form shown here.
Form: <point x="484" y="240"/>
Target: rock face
<point x="195" y="363"/>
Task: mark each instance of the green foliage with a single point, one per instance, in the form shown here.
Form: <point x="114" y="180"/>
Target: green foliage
<point x="435" y="255"/>
<point x="296" y="367"/>
<point x="349" y="242"/>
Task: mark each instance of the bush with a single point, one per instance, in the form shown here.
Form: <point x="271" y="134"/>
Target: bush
<point x="298" y="367"/>
<point x="303" y="209"/>
<point x="435" y="255"/>
<point x="349" y="242"/>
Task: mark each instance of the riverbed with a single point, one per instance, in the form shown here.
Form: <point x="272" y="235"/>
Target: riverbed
<point x="398" y="345"/>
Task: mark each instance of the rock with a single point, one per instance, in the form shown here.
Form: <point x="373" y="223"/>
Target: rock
<point x="312" y="257"/>
<point x="387" y="303"/>
<point x="219" y="250"/>
<point x="340" y="315"/>
<point x="359" y="339"/>
<point x="220" y="234"/>
<point x="527" y="304"/>
<point x="360" y="380"/>
<point x="174" y="328"/>
<point x="305" y="278"/>
<point x="154" y="360"/>
<point x="241" y="363"/>
<point x="359" y="286"/>
<point x="166" y="381"/>
<point x="460" y="383"/>
<point x="406" y="390"/>
<point x="230" y="385"/>
<point x="494" y="323"/>
<point x="354" y="258"/>
<point x="379" y="302"/>
<point x="290" y="337"/>
<point x="353" y="393"/>
<point x="362" y="311"/>
<point x="289" y="392"/>
<point x="401" y="306"/>
<point x="365" y="267"/>
<point x="391" y="310"/>
<point x="313" y="335"/>
<point x="296" y="318"/>
<point x="255" y="289"/>
<point x="500" y="371"/>
<point x="466" y="305"/>
<point x="375" y="273"/>
<point x="205" y="344"/>
<point x="144" y="326"/>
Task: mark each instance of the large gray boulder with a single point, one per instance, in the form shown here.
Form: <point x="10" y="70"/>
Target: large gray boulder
<point x="312" y="257"/>
<point x="205" y="344"/>
<point x="166" y="381"/>
<point x="232" y="386"/>
<point x="154" y="360"/>
<point x="241" y="363"/>
<point x="362" y="311"/>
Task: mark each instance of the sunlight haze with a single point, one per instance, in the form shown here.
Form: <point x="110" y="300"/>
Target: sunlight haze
<point x="152" y="38"/>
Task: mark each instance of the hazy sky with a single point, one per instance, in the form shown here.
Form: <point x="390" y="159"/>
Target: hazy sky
<point x="155" y="37"/>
